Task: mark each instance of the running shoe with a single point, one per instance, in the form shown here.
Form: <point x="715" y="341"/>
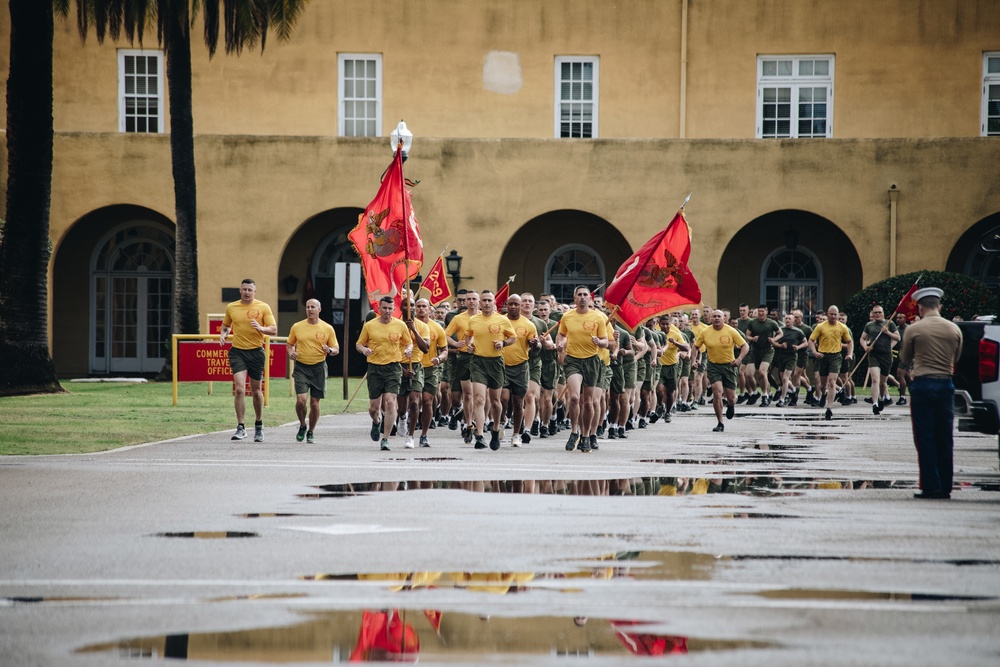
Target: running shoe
<point x="494" y="440"/>
<point x="515" y="440"/>
<point x="571" y="443"/>
<point x="828" y="415"/>
<point x="384" y="445"/>
<point x="300" y="436"/>
<point x="409" y="442"/>
<point x="375" y="432"/>
<point x="730" y="411"/>
<point x="720" y="428"/>
<point x="258" y="434"/>
<point x="240" y="433"/>
<point x="310" y="438"/>
<point x="424" y="442"/>
<point x="480" y="442"/>
<point x="593" y="443"/>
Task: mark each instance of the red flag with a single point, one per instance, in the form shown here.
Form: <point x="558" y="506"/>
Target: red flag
<point x="385" y="638"/>
<point x="907" y="305"/>
<point x="502" y="294"/>
<point x="436" y="284"/>
<point x="435" y="618"/>
<point x="387" y="238"/>
<point x="656" y="278"/>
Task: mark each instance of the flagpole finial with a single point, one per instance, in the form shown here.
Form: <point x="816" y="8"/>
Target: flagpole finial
<point x="686" y="200"/>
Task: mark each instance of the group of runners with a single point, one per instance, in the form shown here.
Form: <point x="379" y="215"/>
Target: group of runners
<point x="540" y="367"/>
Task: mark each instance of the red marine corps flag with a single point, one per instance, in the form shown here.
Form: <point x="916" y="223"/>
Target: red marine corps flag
<point x="436" y="283"/>
<point x="907" y="305"/>
<point x="502" y="294"/>
<point x="656" y="279"/>
<point x="387" y="238"/>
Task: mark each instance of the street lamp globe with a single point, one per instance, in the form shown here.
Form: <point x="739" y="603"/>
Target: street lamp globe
<point x="401" y="133"/>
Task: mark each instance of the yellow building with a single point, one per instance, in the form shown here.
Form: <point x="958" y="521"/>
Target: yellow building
<point x="828" y="144"/>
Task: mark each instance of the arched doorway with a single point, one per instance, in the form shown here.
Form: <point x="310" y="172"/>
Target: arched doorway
<point x="780" y="259"/>
<point x="112" y="293"/>
<point x="561" y="249"/>
<point x="571" y="265"/>
<point x="131" y="313"/>
<point x="792" y="278"/>
<point x="310" y="257"/>
<point x="968" y="256"/>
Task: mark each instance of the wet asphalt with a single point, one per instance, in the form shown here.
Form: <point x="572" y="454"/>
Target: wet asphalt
<point x="785" y="540"/>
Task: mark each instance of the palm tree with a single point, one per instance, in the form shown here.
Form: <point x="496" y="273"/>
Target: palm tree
<point x="246" y="23"/>
<point x="24" y="245"/>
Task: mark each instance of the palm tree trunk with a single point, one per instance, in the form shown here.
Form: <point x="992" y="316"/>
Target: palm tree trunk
<point x="185" y="194"/>
<point x="24" y="250"/>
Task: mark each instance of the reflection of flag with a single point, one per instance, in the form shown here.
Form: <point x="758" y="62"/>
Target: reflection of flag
<point x="656" y="278"/>
<point x="436" y="284"/>
<point x="907" y="305"/>
<point x="386" y="235"/>
<point x="435" y="618"/>
<point x="647" y="644"/>
<point x="503" y="293"/>
<point x="385" y="638"/>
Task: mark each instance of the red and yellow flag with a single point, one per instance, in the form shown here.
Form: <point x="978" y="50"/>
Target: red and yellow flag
<point x="656" y="278"/>
<point x="436" y="283"/>
<point x="387" y="238"/>
<point x="907" y="305"/>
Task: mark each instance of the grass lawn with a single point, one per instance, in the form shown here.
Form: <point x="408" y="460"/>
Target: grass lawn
<point x="97" y="416"/>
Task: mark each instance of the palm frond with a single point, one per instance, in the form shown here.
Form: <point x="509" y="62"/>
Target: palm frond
<point x="284" y="14"/>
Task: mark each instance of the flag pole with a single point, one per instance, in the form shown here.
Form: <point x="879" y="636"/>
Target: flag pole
<point x="406" y="242"/>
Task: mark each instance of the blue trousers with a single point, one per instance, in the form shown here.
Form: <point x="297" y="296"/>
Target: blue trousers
<point x="932" y="413"/>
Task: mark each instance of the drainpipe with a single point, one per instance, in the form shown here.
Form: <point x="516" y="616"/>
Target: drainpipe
<point x="684" y="64"/>
<point x="893" y="195"/>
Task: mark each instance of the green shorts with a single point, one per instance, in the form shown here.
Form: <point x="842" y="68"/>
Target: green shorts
<point x="460" y="370"/>
<point x="724" y="373"/>
<point x="784" y="362"/>
<point x="606" y="373"/>
<point x="516" y="378"/>
<point x="830" y="364"/>
<point x="310" y="379"/>
<point x="384" y="379"/>
<point x="882" y="361"/>
<point x="535" y="370"/>
<point x="802" y="358"/>
<point x="685" y="368"/>
<point x="640" y="371"/>
<point x="550" y="373"/>
<point x="668" y="377"/>
<point x="628" y="370"/>
<point x="488" y="371"/>
<point x="702" y="363"/>
<point x="414" y="382"/>
<point x="761" y="356"/>
<point x="617" y="379"/>
<point x="432" y="379"/>
<point x="251" y="361"/>
<point x="590" y="368"/>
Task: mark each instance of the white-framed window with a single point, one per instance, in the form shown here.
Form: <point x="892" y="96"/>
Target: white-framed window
<point x="140" y="90"/>
<point x="991" y="95"/>
<point x="576" y="95"/>
<point x="794" y="96"/>
<point x="360" y="94"/>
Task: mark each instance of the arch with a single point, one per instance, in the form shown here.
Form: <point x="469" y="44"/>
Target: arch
<point x="74" y="300"/>
<point x="792" y="278"/>
<point x="309" y="256"/>
<point x="744" y="260"/>
<point x="531" y="250"/>
<point x="968" y="257"/>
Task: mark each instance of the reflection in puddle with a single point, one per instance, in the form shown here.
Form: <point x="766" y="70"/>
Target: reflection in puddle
<point x="210" y="535"/>
<point x="649" y="565"/>
<point x="401" y="635"/>
<point x="756" y="485"/>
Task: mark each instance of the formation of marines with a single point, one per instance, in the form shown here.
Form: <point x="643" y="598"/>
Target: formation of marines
<point x="541" y="367"/>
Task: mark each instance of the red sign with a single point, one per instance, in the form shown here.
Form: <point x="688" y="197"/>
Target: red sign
<point x="199" y="361"/>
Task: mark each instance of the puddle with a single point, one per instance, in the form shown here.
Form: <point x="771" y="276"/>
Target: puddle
<point x="813" y="594"/>
<point x="210" y="535"/>
<point x="401" y="635"/>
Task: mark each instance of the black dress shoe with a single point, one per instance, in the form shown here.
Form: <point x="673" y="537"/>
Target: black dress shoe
<point x="932" y="495"/>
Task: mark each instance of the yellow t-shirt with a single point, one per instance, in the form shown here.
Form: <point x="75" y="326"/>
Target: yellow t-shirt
<point x="720" y="343"/>
<point x="604" y="353"/>
<point x="458" y="325"/>
<point x="669" y="356"/>
<point x="830" y="337"/>
<point x="238" y="318"/>
<point x="387" y="341"/>
<point x="424" y="331"/>
<point x="487" y="330"/>
<point x="439" y="341"/>
<point x="518" y="352"/>
<point x="578" y="330"/>
<point x="697" y="329"/>
<point x="309" y="340"/>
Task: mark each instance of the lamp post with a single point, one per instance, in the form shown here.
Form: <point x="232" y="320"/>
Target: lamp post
<point x="453" y="265"/>
<point x="404" y="135"/>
